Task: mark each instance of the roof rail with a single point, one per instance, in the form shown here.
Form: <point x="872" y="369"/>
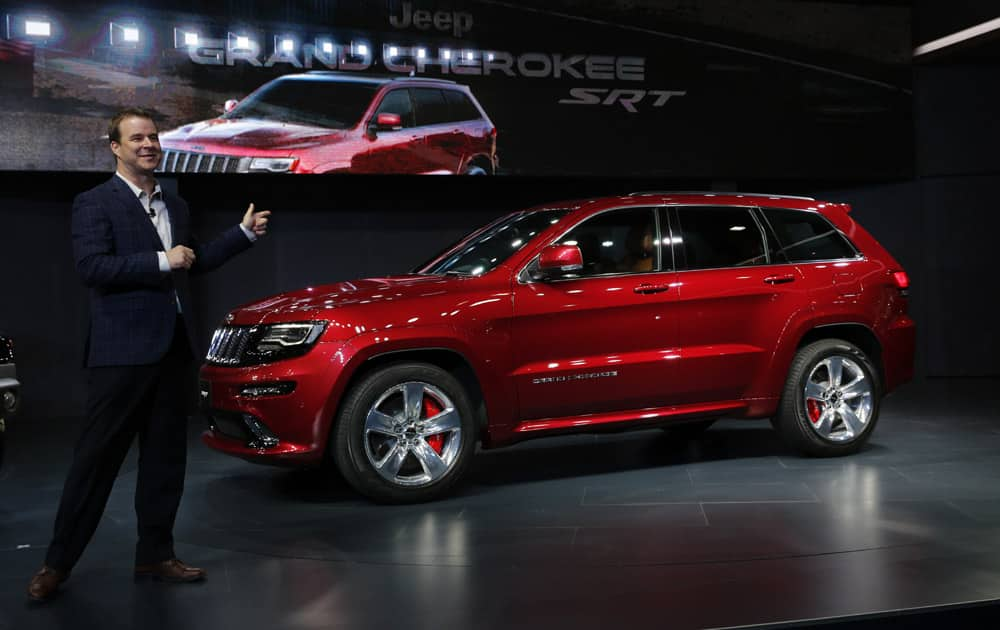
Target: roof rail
<point x="376" y="77"/>
<point x="428" y="79"/>
<point x="714" y="192"/>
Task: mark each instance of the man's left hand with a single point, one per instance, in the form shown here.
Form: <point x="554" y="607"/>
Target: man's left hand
<point x="256" y="221"/>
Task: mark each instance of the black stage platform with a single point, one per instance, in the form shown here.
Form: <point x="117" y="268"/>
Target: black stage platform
<point x="627" y="530"/>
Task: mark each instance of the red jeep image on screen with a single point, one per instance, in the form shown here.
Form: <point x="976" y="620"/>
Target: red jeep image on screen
<point x="322" y="122"/>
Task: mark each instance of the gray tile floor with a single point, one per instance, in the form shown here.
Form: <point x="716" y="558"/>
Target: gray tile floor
<point x="627" y="530"/>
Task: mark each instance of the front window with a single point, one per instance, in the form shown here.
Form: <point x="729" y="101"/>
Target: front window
<point x="484" y="251"/>
<point x="308" y="101"/>
<point x="621" y="241"/>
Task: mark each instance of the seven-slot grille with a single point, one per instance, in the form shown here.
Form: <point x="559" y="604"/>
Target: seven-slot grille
<point x="188" y="162"/>
<point x="228" y="345"/>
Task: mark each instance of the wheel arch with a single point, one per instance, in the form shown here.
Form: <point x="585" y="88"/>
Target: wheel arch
<point x="856" y="333"/>
<point x="482" y="161"/>
<point x="448" y="359"/>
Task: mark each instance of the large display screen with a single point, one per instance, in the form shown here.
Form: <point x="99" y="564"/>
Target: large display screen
<point x="475" y="87"/>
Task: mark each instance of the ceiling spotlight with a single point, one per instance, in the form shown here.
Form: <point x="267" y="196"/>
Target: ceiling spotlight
<point x="184" y="38"/>
<point x="37" y="28"/>
<point x="127" y="35"/>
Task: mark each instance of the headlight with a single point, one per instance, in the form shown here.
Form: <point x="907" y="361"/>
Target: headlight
<point x="272" y="165"/>
<point x="253" y="345"/>
<point x="275" y="342"/>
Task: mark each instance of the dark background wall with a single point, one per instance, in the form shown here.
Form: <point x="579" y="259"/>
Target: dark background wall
<point x="942" y="225"/>
<point x="324" y="229"/>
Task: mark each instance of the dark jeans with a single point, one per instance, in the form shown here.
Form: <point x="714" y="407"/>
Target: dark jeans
<point x="123" y="402"/>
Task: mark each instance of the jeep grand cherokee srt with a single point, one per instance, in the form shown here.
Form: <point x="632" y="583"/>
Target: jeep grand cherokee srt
<point x="319" y="122"/>
<point x="653" y="309"/>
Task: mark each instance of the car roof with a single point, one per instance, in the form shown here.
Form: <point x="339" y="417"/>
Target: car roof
<point x="695" y="198"/>
<point x="346" y="77"/>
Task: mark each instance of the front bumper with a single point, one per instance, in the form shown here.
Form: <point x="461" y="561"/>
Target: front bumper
<point x="283" y="428"/>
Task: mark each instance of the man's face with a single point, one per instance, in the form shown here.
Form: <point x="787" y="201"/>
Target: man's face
<point x="139" y="150"/>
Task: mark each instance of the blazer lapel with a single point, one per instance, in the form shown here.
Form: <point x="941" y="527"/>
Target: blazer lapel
<point x="133" y="208"/>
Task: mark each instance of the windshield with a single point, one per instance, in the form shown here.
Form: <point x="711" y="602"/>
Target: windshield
<point x="308" y="101"/>
<point x="494" y="245"/>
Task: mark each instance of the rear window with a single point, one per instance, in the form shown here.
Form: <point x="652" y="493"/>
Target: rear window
<point x="807" y="236"/>
<point x="461" y="107"/>
<point x="718" y="237"/>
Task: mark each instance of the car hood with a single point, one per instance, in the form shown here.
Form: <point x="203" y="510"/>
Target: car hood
<point x="251" y="133"/>
<point x="313" y="302"/>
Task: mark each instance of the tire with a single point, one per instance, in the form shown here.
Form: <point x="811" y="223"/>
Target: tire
<point x="824" y="415"/>
<point x="474" y="169"/>
<point x="390" y="454"/>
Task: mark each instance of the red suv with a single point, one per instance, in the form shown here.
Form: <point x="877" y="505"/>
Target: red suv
<point x="653" y="309"/>
<point x="320" y="122"/>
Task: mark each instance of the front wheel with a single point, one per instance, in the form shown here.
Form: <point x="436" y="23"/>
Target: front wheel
<point x="405" y="433"/>
<point x="831" y="399"/>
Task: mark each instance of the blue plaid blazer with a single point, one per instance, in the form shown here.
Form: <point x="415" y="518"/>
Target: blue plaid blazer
<point x="132" y="307"/>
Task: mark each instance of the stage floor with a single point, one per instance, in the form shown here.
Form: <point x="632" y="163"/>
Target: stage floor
<point x="631" y="530"/>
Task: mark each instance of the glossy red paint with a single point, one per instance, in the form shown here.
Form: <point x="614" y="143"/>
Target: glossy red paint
<point x="377" y="142"/>
<point x="560" y="258"/>
<point x="577" y="353"/>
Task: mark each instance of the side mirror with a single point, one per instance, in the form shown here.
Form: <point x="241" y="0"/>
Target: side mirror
<point x="556" y="260"/>
<point x="385" y="122"/>
<point x="230" y="105"/>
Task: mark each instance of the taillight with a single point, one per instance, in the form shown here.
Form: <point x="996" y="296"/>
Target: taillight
<point x="902" y="281"/>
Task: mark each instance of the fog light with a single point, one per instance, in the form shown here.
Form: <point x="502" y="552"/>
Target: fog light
<point x="261" y="390"/>
<point x="263" y="438"/>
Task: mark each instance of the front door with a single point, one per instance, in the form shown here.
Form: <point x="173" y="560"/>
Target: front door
<point x="604" y="339"/>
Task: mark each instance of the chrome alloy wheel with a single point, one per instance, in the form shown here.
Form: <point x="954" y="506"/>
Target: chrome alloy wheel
<point x="838" y="399"/>
<point x="413" y="434"/>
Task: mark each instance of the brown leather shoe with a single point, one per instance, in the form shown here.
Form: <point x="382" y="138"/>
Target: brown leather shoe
<point x="45" y="583"/>
<point x="172" y="570"/>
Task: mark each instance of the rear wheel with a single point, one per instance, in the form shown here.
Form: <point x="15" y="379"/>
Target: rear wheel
<point x="831" y="400"/>
<point x="405" y="433"/>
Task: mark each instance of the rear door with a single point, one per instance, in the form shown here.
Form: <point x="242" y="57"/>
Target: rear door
<point x="442" y="142"/>
<point x="736" y="296"/>
<point x="603" y="340"/>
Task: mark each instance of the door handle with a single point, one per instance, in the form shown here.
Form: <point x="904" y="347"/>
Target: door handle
<point x="785" y="279"/>
<point x="646" y="288"/>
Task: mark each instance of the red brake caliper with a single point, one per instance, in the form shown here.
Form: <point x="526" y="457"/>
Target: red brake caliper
<point x="815" y="408"/>
<point x="431" y="409"/>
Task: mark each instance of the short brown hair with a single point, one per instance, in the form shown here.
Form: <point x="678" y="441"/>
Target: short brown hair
<point x="114" y="127"/>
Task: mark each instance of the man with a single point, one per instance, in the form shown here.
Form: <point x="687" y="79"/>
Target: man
<point x="133" y="248"/>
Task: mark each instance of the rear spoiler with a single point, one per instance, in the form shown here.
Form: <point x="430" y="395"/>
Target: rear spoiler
<point x="843" y="207"/>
